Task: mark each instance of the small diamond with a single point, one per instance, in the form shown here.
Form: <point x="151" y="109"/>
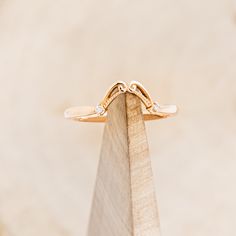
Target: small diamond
<point x="156" y="107"/>
<point x="99" y="109"/>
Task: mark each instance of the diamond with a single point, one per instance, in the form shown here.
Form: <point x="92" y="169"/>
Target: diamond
<point x="99" y="109"/>
<point x="156" y="107"/>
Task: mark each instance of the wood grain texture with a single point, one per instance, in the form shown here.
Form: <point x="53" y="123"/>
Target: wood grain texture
<point x="124" y="200"/>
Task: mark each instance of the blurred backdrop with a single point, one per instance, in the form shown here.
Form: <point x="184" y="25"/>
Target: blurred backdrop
<point x="57" y="54"/>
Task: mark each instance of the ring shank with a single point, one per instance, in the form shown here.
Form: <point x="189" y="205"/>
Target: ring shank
<point x="88" y="114"/>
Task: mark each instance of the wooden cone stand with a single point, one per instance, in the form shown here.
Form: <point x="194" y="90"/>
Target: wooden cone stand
<point x="124" y="202"/>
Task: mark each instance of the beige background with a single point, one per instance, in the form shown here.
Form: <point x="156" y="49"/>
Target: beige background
<point x="57" y="54"/>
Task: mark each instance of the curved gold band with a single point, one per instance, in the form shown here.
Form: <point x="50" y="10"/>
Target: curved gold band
<point x="152" y="110"/>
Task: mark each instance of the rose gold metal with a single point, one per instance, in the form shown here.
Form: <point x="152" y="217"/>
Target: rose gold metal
<point x="151" y="110"/>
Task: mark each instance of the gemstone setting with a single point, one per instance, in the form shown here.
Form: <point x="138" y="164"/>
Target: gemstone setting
<point x="99" y="109"/>
<point x="156" y="107"/>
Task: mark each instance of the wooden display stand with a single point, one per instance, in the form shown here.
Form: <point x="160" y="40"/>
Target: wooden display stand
<point x="124" y="202"/>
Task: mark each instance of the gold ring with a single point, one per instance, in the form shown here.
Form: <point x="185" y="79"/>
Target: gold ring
<point x="151" y="110"/>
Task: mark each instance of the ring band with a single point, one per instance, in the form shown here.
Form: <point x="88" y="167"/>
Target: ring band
<point x="151" y="111"/>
